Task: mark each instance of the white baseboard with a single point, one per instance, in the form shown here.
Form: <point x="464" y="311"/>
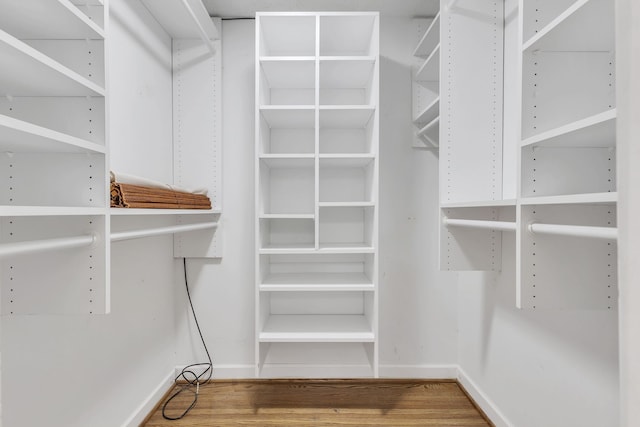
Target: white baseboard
<point x="427" y="372"/>
<point x="224" y="372"/>
<point x="150" y="402"/>
<point x="481" y="399"/>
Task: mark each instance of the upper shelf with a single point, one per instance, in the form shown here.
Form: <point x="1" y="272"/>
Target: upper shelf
<point x="572" y="30"/>
<point x="596" y="131"/>
<point x="430" y="69"/>
<point x="47" y="19"/>
<point x="28" y="72"/>
<point x="430" y="39"/>
<point x="276" y="37"/>
<point x="20" y="136"/>
<point x="184" y="19"/>
<point x="429" y="113"/>
<point x="347" y="34"/>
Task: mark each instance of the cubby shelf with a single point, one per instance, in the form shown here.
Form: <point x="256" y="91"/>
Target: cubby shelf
<point x="61" y="20"/>
<point x="28" y="72"/>
<point x="572" y="30"/>
<point x="345" y="116"/>
<point x="317" y="328"/>
<point x="289" y="117"/>
<point x="596" y="131"/>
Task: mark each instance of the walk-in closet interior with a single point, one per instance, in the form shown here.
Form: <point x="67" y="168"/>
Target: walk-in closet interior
<point x="429" y="189"/>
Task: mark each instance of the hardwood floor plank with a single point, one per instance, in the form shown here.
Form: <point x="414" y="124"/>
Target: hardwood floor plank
<point x="303" y="403"/>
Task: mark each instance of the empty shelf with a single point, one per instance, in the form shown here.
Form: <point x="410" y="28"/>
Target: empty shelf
<point x="572" y="29"/>
<point x="347" y="116"/>
<point x="429" y="113"/>
<point x="20" y="136"/>
<point x="27" y="72"/>
<point x="289" y="117"/>
<point x="48" y="19"/>
<point x="596" y="131"/>
<point x="430" y="69"/>
<point x="430" y="39"/>
<point x="570" y="199"/>
<point x="479" y="204"/>
<point x="316" y="328"/>
<point x="51" y="211"/>
<point x="317" y="282"/>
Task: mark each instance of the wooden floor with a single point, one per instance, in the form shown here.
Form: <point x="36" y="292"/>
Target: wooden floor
<point x="303" y="403"/>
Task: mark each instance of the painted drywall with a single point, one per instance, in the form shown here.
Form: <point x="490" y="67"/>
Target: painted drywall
<point x="96" y="370"/>
<point x="539" y="368"/>
<point x="417" y="302"/>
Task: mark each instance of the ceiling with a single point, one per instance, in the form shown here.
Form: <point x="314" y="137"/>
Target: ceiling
<point x="248" y="8"/>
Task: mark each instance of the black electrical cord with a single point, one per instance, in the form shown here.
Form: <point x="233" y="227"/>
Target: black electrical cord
<point x="187" y="374"/>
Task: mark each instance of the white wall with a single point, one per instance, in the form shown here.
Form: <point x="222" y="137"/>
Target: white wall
<point x="417" y="302"/>
<point x="96" y="370"/>
<point x="539" y="368"/>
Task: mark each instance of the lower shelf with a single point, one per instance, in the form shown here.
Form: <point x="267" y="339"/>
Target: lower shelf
<point x="317" y="282"/>
<point x="317" y="328"/>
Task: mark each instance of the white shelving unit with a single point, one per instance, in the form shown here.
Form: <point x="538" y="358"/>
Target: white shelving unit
<point x="53" y="202"/>
<point x="317" y="184"/>
<point x="426" y="84"/>
<point x="564" y="213"/>
<point x="567" y="156"/>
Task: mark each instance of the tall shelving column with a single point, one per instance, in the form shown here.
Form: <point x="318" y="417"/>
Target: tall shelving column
<point x="474" y="211"/>
<point x="426" y="85"/>
<point x="53" y="138"/>
<point x="567" y="155"/>
<point x="316" y="194"/>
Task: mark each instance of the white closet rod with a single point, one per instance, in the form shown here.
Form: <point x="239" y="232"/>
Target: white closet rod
<point x="488" y="225"/>
<point x="607" y="233"/>
<point x="203" y="33"/>
<point x="127" y="235"/>
<point x="34" y="246"/>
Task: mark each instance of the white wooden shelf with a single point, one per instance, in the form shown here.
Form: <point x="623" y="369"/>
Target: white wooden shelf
<point x="187" y="19"/>
<point x="430" y="69"/>
<point x="287" y="216"/>
<point x="51" y="211"/>
<point x="345" y="116"/>
<point x="289" y="72"/>
<point x="20" y="136"/>
<point x="429" y="113"/>
<point x="288" y="161"/>
<point x="346" y="248"/>
<point x="573" y="30"/>
<point x="479" y="204"/>
<point x="289" y="116"/>
<point x="316" y="328"/>
<point x="346" y="34"/>
<point x="596" y="131"/>
<point x="288" y="248"/>
<point x="161" y="212"/>
<point x="431" y="132"/>
<point x="345" y="161"/>
<point x="430" y="40"/>
<point x="571" y="199"/>
<point x="316" y="282"/>
<point x="48" y="19"/>
<point x="276" y="42"/>
<point x="28" y="72"/>
<point x="346" y="71"/>
<point x="346" y="204"/>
